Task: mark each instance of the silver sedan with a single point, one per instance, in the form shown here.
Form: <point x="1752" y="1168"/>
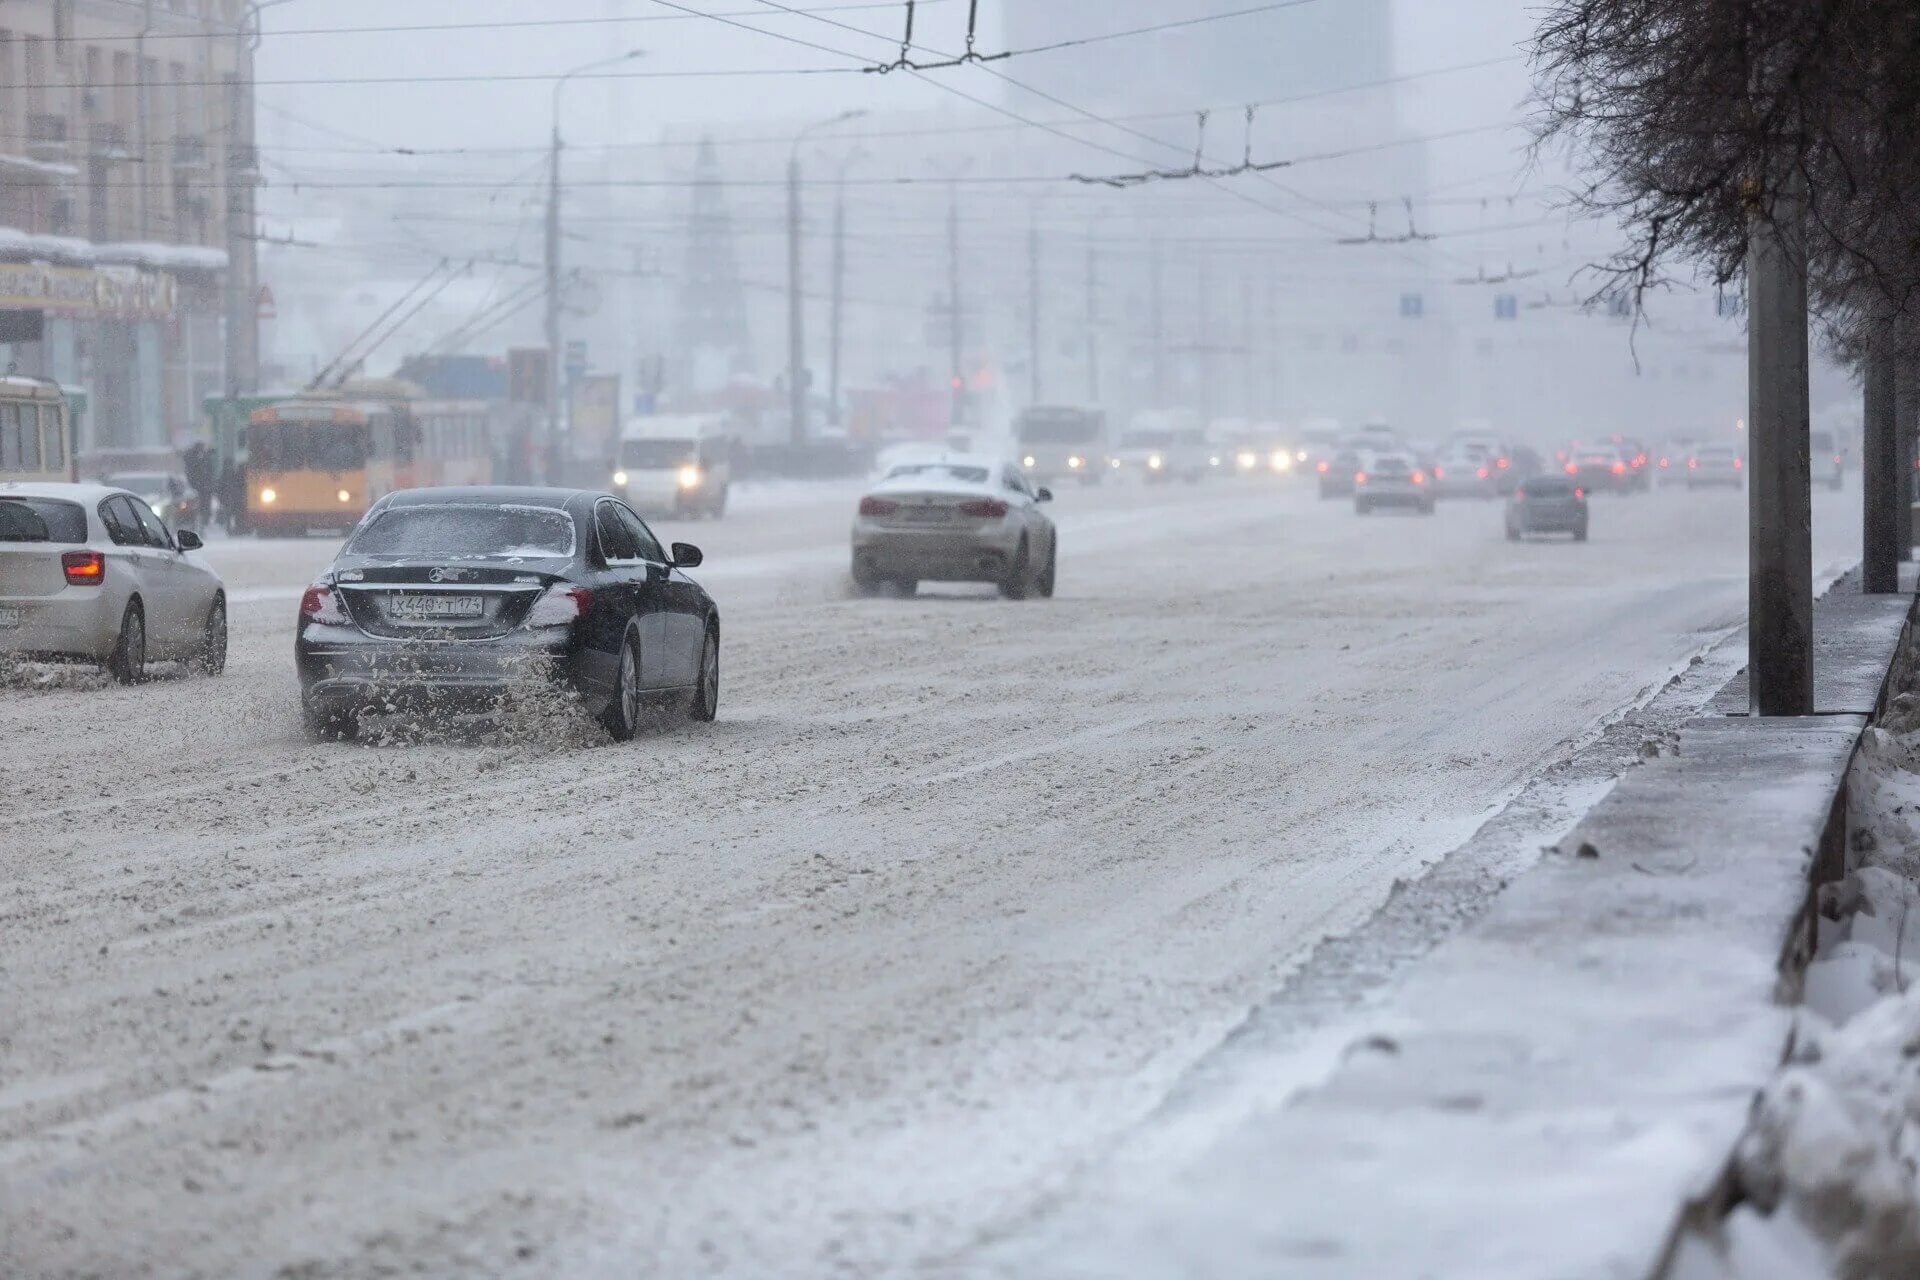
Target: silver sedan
<point x="958" y="518"/>
<point x="89" y="573"/>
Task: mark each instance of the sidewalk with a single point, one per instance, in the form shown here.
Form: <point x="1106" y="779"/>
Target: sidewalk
<point x="1550" y="1087"/>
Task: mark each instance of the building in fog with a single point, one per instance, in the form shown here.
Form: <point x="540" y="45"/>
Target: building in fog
<point x="125" y="141"/>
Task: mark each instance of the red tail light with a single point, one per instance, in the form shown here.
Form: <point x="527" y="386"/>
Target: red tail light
<point x="1519" y="493"/>
<point x="1439" y="473"/>
<point x="558" y="605"/>
<point x="1323" y="467"/>
<point x="1419" y="477"/>
<point x="1663" y="462"/>
<point x="1359" y="477"/>
<point x="1836" y="459"/>
<point x="1639" y="459"/>
<point x="1619" y="468"/>
<point x="1572" y="469"/>
<point x="878" y="506"/>
<point x="322" y="604"/>
<point x="1736" y="464"/>
<point x="1692" y="463"/>
<point x="1482" y="473"/>
<point x="1579" y="493"/>
<point x="1500" y="463"/>
<point x="984" y="509"/>
<point x="84" y="568"/>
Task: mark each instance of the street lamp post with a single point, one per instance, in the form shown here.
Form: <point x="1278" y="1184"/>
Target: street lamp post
<point x="554" y="459"/>
<point x="839" y="283"/>
<point x="796" y="332"/>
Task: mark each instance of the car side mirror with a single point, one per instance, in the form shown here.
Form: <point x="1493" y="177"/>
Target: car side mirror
<point x="1045" y="495"/>
<point x="686" y="556"/>
<point x="187" y="540"/>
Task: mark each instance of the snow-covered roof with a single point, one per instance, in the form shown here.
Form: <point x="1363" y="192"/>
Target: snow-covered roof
<point x="46" y="168"/>
<point x="15" y="243"/>
<point x="18" y="244"/>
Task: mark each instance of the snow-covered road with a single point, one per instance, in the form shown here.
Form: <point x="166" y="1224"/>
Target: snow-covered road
<point x="950" y="895"/>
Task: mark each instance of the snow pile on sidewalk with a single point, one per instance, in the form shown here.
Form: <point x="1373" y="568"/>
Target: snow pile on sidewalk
<point x="1830" y="1165"/>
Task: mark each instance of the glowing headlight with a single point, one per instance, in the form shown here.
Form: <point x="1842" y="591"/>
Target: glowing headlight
<point x="1300" y="456"/>
<point x="1114" y="463"/>
<point x="344" y="496"/>
<point x="1153" y="463"/>
<point x="689" y="477"/>
<point x="1282" y="460"/>
<point x="1213" y="462"/>
<point x="1245" y="461"/>
<point x="267" y="497"/>
<point x="620" y="479"/>
<point x="1027" y="461"/>
<point x="1076" y="462"/>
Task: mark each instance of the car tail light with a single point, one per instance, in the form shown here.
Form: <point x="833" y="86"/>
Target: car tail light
<point x="984" y="508"/>
<point x="1836" y="459"/>
<point x="1439" y="473"/>
<point x="1639" y="459"/>
<point x="1619" y="468"/>
<point x="1579" y="492"/>
<point x="1663" y="462"/>
<point x="84" y="568"/>
<point x="559" y="605"/>
<point x="1359" y="477"/>
<point x="1482" y="473"/>
<point x="1500" y="463"/>
<point x="1323" y="466"/>
<point x="1520" y="493"/>
<point x="1736" y="464"/>
<point x="878" y="506"/>
<point x="1572" y="468"/>
<point x="322" y="604"/>
<point x="1419" y="477"/>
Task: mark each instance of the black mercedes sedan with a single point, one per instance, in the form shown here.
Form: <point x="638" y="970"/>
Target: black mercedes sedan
<point x="454" y="599"/>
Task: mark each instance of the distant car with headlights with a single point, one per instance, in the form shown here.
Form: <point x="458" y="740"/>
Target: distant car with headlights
<point x="1058" y="442"/>
<point x="89" y="573"/>
<point x="1465" y="470"/>
<point x="1164" y="444"/>
<point x="1392" y="479"/>
<point x="675" y="465"/>
<point x="1334" y="475"/>
<point x="1716" y="465"/>
<point x="1547" y="503"/>
<point x="1597" y="469"/>
<point x="962" y="518"/>
<point x="449" y="600"/>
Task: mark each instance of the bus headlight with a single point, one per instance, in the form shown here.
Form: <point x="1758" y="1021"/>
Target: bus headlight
<point x="1076" y="462"/>
<point x="1153" y="463"/>
<point x="690" y="477"/>
<point x="1027" y="461"/>
<point x="1282" y="460"/>
<point x="1245" y="461"/>
<point x="267" y="497"/>
<point x="619" y="479"/>
<point x="344" y="496"/>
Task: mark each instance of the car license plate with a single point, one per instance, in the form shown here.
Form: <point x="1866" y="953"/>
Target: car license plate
<point x="434" y="608"/>
<point x="12" y="617"/>
<point x="923" y="515"/>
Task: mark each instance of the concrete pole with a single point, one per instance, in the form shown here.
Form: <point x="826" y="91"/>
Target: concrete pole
<point x="834" y="321"/>
<point x="552" y="475"/>
<point x="1779" y="506"/>
<point x="1880" y="466"/>
<point x="1906" y="398"/>
<point x="1157" y="319"/>
<point x="1093" y="319"/>
<point x="1033" y="307"/>
<point x="1247" y="346"/>
<point x="956" y="410"/>
<point x="796" y="338"/>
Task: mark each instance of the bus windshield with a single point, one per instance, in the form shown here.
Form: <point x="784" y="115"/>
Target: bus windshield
<point x="663" y="454"/>
<point x="304" y="446"/>
<point x="1058" y="427"/>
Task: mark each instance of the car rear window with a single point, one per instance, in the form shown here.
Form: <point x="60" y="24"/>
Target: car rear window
<point x="940" y="471"/>
<point x="1548" y="487"/>
<point x="41" y="520"/>
<point x="466" y="532"/>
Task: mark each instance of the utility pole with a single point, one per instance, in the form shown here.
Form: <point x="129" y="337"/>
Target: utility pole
<point x="955" y="409"/>
<point x="1157" y="318"/>
<point x="1880" y="464"/>
<point x="552" y="470"/>
<point x="839" y="294"/>
<point x="1093" y="318"/>
<point x="1203" y="297"/>
<point x="1033" y="305"/>
<point x="796" y="338"/>
<point x="1247" y="346"/>
<point x="1779" y="510"/>
<point x="242" y="170"/>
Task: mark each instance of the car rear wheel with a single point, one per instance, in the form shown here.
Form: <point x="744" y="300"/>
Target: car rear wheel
<point x="1513" y="534"/>
<point x="1047" y="576"/>
<point x="211" y="659"/>
<point x="128" y="663"/>
<point x="1018" y="581"/>
<point x="325" y="724"/>
<point x="622" y="716"/>
<point x="865" y="581"/>
<point x="1580" y="534"/>
<point x="706" y="694"/>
